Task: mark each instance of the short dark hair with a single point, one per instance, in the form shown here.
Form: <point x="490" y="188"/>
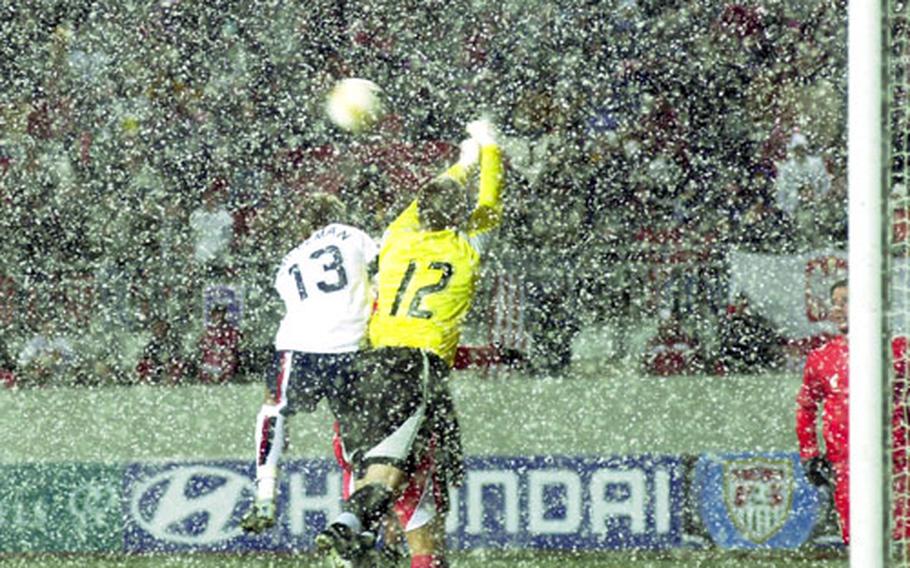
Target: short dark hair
<point x="323" y="209"/>
<point x="437" y="202"/>
<point x="440" y="185"/>
<point x="842" y="283"/>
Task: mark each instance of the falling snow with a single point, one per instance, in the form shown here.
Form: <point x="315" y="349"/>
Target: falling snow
<point x="675" y="213"/>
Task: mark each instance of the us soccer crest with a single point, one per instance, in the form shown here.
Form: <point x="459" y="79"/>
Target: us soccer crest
<point x="755" y="500"/>
<point x="758" y="494"/>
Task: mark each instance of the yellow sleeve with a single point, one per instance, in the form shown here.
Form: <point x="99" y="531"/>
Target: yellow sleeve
<point x="458" y="173"/>
<point x="407" y="219"/>
<point x="488" y="213"/>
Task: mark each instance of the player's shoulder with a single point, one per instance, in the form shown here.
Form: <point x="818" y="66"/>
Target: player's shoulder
<point x="358" y="232"/>
<point x="407" y="220"/>
<point x="339" y="232"/>
<point x="833" y="343"/>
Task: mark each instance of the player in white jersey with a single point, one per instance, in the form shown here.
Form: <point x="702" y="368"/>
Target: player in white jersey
<point x="325" y="285"/>
<point x="326" y="291"/>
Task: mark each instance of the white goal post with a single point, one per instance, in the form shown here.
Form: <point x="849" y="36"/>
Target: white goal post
<point x="879" y="240"/>
<point x="866" y="174"/>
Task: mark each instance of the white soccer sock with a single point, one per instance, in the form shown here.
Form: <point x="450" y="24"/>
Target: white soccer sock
<point x="266" y="482"/>
<point x="269" y="446"/>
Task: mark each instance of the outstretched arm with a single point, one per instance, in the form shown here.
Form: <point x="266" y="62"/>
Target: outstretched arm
<point x="488" y="212"/>
<point x="480" y="147"/>
<point x="459" y="172"/>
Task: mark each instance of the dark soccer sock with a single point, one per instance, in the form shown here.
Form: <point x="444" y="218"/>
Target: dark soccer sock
<point x="369" y="504"/>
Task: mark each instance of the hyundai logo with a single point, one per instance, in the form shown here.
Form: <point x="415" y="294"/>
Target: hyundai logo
<point x="192" y="505"/>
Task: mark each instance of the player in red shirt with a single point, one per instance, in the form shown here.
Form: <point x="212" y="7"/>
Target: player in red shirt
<point x="825" y="382"/>
<point x="900" y="422"/>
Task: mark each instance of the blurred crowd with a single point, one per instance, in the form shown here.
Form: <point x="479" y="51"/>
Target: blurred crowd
<point x="153" y="155"/>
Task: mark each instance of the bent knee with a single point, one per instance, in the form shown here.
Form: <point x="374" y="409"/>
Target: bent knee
<point x="383" y="474"/>
<point x="426" y="539"/>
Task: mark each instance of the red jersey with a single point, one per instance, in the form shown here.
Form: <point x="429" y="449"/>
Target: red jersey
<point x="900" y="468"/>
<point x="899" y="395"/>
<point x="825" y="382"/>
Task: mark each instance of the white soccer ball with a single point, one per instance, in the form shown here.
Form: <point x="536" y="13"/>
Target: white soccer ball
<point x="354" y="104"/>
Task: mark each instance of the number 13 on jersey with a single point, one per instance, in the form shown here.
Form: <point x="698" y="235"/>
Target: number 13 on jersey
<point x="334" y="276"/>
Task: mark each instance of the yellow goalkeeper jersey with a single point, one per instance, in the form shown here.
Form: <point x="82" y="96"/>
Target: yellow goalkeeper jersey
<point x="427" y="279"/>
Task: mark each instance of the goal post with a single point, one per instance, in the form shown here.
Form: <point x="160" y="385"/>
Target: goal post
<point x="896" y="144"/>
<point x="866" y="175"/>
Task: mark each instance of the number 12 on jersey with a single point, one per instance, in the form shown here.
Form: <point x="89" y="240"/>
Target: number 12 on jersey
<point x="414" y="310"/>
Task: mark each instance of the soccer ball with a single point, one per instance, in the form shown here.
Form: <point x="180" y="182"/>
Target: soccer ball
<point x="354" y="104"/>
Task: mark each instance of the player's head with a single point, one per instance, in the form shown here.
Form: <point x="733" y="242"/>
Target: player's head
<point x="443" y="204"/>
<point x="839" y="304"/>
<point x="798" y="145"/>
<point x="324" y="209"/>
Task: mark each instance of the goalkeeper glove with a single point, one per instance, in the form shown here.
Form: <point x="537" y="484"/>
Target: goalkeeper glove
<point x="483" y="131"/>
<point x="470" y="153"/>
<point x="818" y="471"/>
<point x="259" y="518"/>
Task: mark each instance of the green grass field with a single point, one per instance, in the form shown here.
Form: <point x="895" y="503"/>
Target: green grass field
<point x="595" y="411"/>
<point x="598" y="411"/>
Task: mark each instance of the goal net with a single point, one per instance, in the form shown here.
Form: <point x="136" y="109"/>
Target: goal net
<point x="897" y="283"/>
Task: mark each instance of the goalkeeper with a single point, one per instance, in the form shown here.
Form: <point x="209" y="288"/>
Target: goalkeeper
<point x="825" y="381"/>
<point x="825" y="384"/>
<point x="428" y="266"/>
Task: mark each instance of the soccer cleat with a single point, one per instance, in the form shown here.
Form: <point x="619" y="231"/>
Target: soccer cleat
<point x="259" y="518"/>
<point x="343" y="548"/>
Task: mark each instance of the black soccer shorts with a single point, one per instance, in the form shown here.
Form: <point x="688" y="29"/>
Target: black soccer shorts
<point x="386" y="418"/>
<point x="301" y="380"/>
